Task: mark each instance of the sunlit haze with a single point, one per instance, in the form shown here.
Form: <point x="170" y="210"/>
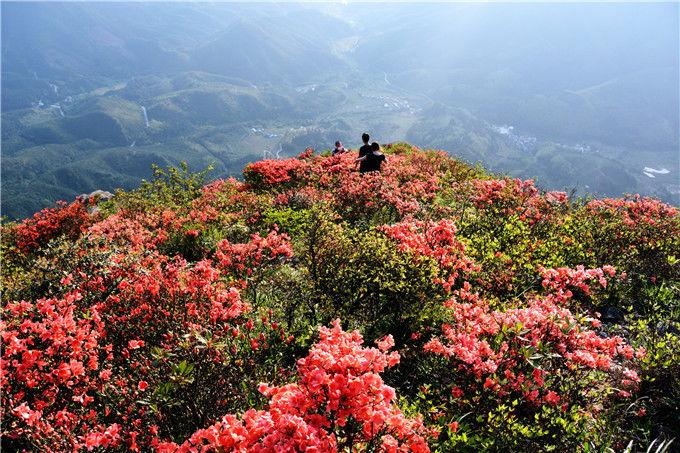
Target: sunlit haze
<point x="579" y="96"/>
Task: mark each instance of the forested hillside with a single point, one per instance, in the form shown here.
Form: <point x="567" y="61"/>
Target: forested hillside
<point x="579" y="96"/>
<point x="430" y="307"/>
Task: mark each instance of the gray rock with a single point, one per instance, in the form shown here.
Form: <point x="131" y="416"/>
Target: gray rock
<point x="100" y="194"/>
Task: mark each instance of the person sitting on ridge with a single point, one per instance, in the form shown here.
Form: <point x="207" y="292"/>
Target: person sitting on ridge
<point x="339" y="149"/>
<point x="373" y="160"/>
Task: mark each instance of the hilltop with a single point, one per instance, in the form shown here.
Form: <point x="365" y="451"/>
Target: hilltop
<point x="431" y="307"/>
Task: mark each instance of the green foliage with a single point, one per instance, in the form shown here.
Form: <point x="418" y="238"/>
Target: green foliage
<point x="654" y="324"/>
<point x="173" y="187"/>
<point x="198" y="389"/>
<point x="288" y="220"/>
<point x="361" y="277"/>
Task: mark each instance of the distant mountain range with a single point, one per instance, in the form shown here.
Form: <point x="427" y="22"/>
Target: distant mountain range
<point x="93" y="93"/>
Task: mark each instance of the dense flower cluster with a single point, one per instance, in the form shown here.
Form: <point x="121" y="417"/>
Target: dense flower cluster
<point x="560" y="280"/>
<point x="79" y="365"/>
<point x="635" y="230"/>
<point x="137" y="232"/>
<point x="634" y="210"/>
<point x="53" y="361"/>
<point x="66" y="219"/>
<point x="225" y="201"/>
<point x="276" y="171"/>
<point x="340" y="402"/>
<point x="69" y="355"/>
<point x="436" y="240"/>
<point x="519" y="349"/>
<point x="242" y="259"/>
<point x="516" y="197"/>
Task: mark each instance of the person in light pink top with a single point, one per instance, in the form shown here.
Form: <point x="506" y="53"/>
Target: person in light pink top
<point x="339" y="149"/>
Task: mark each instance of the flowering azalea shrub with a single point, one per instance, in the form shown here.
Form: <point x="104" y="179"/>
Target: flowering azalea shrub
<point x="267" y="172"/>
<point x="156" y="337"/>
<point x="640" y="232"/>
<point x="66" y="219"/>
<point x="550" y="364"/>
<point x="52" y="357"/>
<point x="243" y="259"/>
<point x="436" y="241"/>
<point x="225" y="202"/>
<point x="364" y="278"/>
<point x="340" y="402"/>
<point x="506" y="318"/>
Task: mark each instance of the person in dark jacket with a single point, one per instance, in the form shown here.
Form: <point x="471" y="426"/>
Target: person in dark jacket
<point x="373" y="160"/>
<point x="363" y="151"/>
<point x="365" y="148"/>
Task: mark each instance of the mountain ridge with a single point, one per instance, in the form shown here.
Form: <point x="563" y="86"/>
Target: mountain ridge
<point x="241" y="315"/>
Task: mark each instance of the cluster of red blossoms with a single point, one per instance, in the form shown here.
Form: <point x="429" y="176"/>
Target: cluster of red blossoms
<point x="634" y="210"/>
<point x="70" y="219"/>
<point x="408" y="183"/>
<point x="74" y="367"/>
<point x="435" y="240"/>
<point x="340" y="402"/>
<point x="242" y="259"/>
<point x="515" y="196"/>
<point x="517" y="350"/>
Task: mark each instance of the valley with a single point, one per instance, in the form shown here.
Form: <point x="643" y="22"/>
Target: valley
<point x="250" y="83"/>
